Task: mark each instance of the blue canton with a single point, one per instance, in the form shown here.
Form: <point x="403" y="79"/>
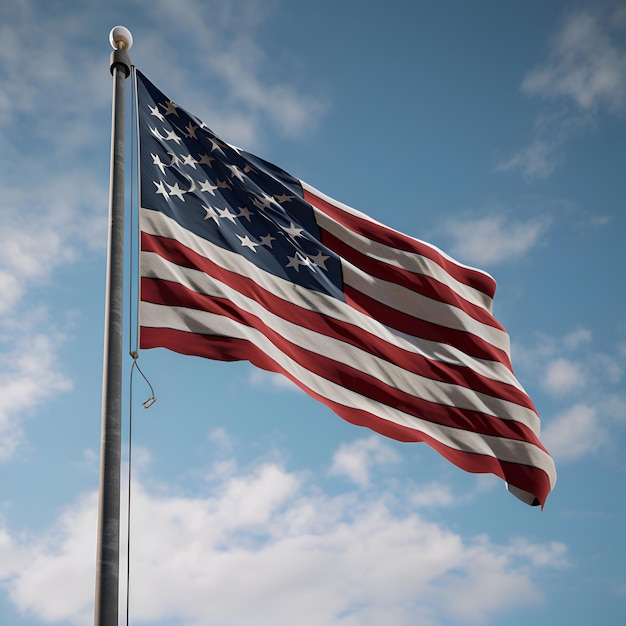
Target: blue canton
<point x="229" y="197"/>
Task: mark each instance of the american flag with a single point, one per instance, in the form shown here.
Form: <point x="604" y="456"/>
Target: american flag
<point x="239" y="260"/>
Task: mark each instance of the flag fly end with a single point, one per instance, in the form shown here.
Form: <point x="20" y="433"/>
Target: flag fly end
<point x="524" y="496"/>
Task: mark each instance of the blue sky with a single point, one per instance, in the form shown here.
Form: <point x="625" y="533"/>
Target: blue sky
<point x="494" y="130"/>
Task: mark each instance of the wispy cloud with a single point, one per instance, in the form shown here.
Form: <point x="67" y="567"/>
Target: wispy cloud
<point x="586" y="64"/>
<point x="356" y="460"/>
<point x="271" y="381"/>
<point x="536" y="160"/>
<point x="29" y="375"/>
<point x="575" y="433"/>
<point x="45" y="226"/>
<point x="562" y="376"/>
<point x="583" y="76"/>
<point x="495" y="238"/>
<point x="224" y="76"/>
<point x="585" y="383"/>
<point x="433" y="494"/>
<point x="336" y="559"/>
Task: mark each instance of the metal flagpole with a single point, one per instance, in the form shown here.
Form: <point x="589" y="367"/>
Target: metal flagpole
<point x="107" y="566"/>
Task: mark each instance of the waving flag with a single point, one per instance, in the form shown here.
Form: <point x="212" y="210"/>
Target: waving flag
<point x="241" y="261"/>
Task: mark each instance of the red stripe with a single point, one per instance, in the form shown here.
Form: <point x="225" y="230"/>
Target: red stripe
<point x="394" y="239"/>
<point x="470" y="344"/>
<point x="349" y="333"/>
<point x="529" y="478"/>
<point x="173" y="294"/>
<point x="418" y="283"/>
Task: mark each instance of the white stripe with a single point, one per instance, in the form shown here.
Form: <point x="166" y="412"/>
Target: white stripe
<point x="446" y="394"/>
<point x="407" y="301"/>
<point x="409" y="261"/>
<point x="156" y="223"/>
<point x="188" y="320"/>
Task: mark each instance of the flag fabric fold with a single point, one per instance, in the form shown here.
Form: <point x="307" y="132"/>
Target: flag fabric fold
<point x="239" y="260"/>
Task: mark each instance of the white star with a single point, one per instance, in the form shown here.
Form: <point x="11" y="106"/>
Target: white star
<point x="283" y="198"/>
<point x="161" y="189"/>
<point x="175" y="162"/>
<point x="170" y="108"/>
<point x="223" y="184"/>
<point x="227" y="215"/>
<point x="207" y="186"/>
<point x="176" y="191"/>
<point x="247" y="169"/>
<point x="247" y="242"/>
<point x="210" y="214"/>
<point x="157" y="161"/>
<point x="245" y="212"/>
<point x="156" y="133"/>
<point x="264" y="202"/>
<point x="293" y="231"/>
<point x="236" y="172"/>
<point x="205" y="159"/>
<point x="172" y="136"/>
<point x="295" y="262"/>
<point x="155" y="111"/>
<point x="216" y="146"/>
<point x="191" y="131"/>
<point x="189" y="160"/>
<point x="192" y="185"/>
<point x="267" y="240"/>
<point x="319" y="260"/>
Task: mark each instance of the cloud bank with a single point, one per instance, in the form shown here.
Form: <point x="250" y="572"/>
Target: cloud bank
<point x="264" y="546"/>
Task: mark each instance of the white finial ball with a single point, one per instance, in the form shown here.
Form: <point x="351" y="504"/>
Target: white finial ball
<point x="120" y="37"/>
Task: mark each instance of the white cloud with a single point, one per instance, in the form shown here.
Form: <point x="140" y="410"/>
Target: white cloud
<point x="51" y="214"/>
<point x="586" y="64"/>
<point x="39" y="65"/>
<point x="355" y="460"/>
<point x="615" y="408"/>
<point x="45" y="227"/>
<point x="271" y="380"/>
<point x="583" y="75"/>
<point x="570" y="364"/>
<point x="553" y="554"/>
<point x="224" y="53"/>
<point x="62" y="561"/>
<point x="537" y="160"/>
<point x="607" y="367"/>
<point x="562" y="375"/>
<point x="266" y="546"/>
<point x="433" y="494"/>
<point x="577" y="338"/>
<point x="574" y="433"/>
<point x="221" y="438"/>
<point x="585" y="385"/>
<point x="493" y="239"/>
<point x="28" y="376"/>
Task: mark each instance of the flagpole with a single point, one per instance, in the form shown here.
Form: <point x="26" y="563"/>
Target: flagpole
<point x="107" y="566"/>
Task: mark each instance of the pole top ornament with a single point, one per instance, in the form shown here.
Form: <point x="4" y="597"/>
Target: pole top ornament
<point x="121" y="38"/>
